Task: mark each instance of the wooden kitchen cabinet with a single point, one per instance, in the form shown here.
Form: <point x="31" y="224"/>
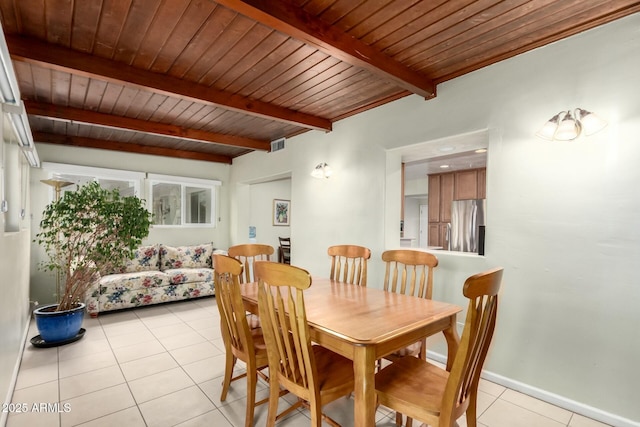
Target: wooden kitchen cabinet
<point x="434" y="199"/>
<point x="482" y="183"/>
<point x="434" y="234"/>
<point x="466" y="184"/>
<point x="444" y="236"/>
<point x="447" y="193"/>
<point x="444" y="188"/>
<point x="438" y="235"/>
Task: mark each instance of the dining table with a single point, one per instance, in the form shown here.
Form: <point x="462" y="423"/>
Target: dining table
<point x="364" y="324"/>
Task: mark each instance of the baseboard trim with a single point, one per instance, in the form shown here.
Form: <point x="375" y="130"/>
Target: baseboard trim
<point x="552" y="398"/>
<point x="14" y="376"/>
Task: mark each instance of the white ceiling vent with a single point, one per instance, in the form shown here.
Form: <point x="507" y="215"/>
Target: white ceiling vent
<point x="277" y="144"/>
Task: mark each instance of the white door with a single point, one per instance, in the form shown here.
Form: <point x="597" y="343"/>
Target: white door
<point x="424" y="227"/>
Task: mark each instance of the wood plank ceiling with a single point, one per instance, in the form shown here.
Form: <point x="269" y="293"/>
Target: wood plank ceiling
<point x="214" y="80"/>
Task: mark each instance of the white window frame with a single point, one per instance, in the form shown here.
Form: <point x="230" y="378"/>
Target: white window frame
<point x="183" y="182"/>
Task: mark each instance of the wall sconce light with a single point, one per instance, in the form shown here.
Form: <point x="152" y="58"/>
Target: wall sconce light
<point x="322" y="170"/>
<point x="566" y="127"/>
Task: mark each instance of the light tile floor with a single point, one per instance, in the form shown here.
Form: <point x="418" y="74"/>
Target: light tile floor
<point x="163" y="366"/>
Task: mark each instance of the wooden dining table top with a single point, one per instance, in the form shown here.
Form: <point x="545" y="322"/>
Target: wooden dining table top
<point x="362" y="315"/>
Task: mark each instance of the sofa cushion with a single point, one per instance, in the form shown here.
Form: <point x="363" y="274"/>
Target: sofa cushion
<point x="196" y="256"/>
<point x="132" y="281"/>
<point x="189" y="275"/>
<point x="145" y="258"/>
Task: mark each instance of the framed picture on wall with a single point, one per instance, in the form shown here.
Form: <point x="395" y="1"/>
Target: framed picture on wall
<point x="281" y="212"/>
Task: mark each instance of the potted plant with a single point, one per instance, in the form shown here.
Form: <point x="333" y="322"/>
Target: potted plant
<point x="85" y="233"/>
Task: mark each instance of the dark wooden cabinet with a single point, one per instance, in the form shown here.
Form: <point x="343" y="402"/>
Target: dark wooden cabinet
<point x="444" y="188"/>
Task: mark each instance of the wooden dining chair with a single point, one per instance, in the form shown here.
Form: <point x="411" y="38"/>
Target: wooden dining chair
<point x="249" y="253"/>
<point x="313" y="373"/>
<point x="409" y="272"/>
<point x="349" y="263"/>
<point x="240" y="341"/>
<point x="430" y="394"/>
<point x="284" y="251"/>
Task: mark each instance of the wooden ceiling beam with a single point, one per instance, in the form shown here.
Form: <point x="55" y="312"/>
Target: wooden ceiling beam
<point x="80" y="141"/>
<point x="67" y="60"/>
<point x="163" y="129"/>
<point x="292" y="20"/>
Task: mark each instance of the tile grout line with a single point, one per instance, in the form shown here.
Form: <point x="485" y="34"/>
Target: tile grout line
<point x="198" y="384"/>
<point x="137" y="406"/>
<point x="59" y="386"/>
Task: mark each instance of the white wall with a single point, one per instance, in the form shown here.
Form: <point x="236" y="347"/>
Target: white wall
<point x="14" y="273"/>
<point x="416" y="187"/>
<point x="562" y="217"/>
<point x="43" y="283"/>
<point x="412" y="218"/>
<point x="260" y="213"/>
<point x="324" y="211"/>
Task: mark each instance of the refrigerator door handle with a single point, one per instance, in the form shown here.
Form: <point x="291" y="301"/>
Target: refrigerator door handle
<point x="448" y="236"/>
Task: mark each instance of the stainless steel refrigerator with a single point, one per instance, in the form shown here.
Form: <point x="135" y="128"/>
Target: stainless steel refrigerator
<point x="467" y="219"/>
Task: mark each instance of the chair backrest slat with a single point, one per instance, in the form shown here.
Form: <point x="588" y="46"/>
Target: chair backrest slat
<point x="349" y="263"/>
<point x="284" y="250"/>
<point x="248" y="254"/>
<point x="233" y="321"/>
<point x="414" y="268"/>
<point x="284" y="324"/>
<point x="482" y="291"/>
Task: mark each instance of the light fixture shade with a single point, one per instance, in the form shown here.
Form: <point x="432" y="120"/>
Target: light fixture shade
<point x="549" y="129"/>
<point x="591" y="123"/>
<point x="565" y="127"/>
<point x="568" y="129"/>
<point x="322" y="170"/>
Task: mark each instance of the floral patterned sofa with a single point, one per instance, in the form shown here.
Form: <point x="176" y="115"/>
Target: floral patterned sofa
<point x="157" y="273"/>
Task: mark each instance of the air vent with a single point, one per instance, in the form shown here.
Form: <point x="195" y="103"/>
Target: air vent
<point x="277" y="144"/>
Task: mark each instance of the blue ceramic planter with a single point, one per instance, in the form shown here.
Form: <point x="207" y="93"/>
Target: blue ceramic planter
<point x="58" y="326"/>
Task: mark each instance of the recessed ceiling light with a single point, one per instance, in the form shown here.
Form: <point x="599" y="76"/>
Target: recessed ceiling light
<point x="444" y="166"/>
<point x="446" y="148"/>
<point x="481" y="150"/>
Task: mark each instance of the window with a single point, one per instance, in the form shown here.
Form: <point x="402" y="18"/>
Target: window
<point x="127" y="182"/>
<point x="177" y="201"/>
<point x="174" y="201"/>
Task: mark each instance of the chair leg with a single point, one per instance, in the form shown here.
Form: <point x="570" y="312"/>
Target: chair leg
<point x="423" y="350"/>
<point x="471" y="410"/>
<point x="274" y="395"/>
<point x="230" y="363"/>
<point x="252" y="379"/>
<point x="399" y="420"/>
<point x="316" y="414"/>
